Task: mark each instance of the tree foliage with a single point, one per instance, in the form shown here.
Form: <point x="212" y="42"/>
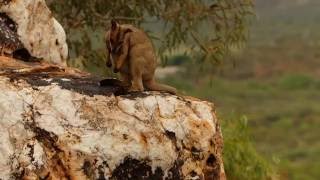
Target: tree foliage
<point x="204" y="27"/>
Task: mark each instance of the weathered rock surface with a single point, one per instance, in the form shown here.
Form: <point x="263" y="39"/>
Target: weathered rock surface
<point x="37" y="29"/>
<point x="62" y="125"/>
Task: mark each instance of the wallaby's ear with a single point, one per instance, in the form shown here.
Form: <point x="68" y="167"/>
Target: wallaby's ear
<point x="114" y="24"/>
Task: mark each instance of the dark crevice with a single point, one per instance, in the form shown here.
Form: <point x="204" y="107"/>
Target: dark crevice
<point x="172" y="136"/>
<point x="47" y="139"/>
<point x="31" y="152"/>
<point x="10" y="43"/>
<point x="136" y="169"/>
<point x="4" y="18"/>
<point x="211" y="161"/>
<point x="87" y="168"/>
<point x="193" y="174"/>
<point x="22" y="54"/>
<point x="101" y="173"/>
<point x="175" y="172"/>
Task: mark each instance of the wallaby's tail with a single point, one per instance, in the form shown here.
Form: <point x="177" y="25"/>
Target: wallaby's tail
<point x="154" y="86"/>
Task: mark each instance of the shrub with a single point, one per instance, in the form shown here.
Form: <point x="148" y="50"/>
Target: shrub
<point x="241" y="160"/>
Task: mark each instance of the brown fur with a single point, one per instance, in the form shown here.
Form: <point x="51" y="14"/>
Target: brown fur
<point x="132" y="54"/>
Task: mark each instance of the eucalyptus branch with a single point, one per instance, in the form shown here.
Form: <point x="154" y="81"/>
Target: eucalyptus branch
<point x="198" y="41"/>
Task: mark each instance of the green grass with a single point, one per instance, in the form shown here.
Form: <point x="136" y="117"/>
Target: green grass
<point x="296" y="82"/>
<point x="241" y="160"/>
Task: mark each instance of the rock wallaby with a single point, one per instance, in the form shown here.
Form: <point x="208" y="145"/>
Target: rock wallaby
<point x="131" y="53"/>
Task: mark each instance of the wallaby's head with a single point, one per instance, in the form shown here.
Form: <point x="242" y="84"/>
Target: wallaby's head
<point x="117" y="34"/>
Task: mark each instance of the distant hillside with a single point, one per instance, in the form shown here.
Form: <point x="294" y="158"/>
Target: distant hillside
<point x="286" y="20"/>
<point x="288" y="8"/>
<point x="283" y="3"/>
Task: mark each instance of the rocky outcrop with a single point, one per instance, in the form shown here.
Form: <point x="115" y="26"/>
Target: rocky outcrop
<point x="61" y="124"/>
<point x="38" y="31"/>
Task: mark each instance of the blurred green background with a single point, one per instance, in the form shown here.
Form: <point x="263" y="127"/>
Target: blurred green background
<point x="275" y="83"/>
<point x="266" y="93"/>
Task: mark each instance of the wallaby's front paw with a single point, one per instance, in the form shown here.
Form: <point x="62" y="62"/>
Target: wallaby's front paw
<point x="115" y="70"/>
<point x="135" y="89"/>
<point x="108" y="64"/>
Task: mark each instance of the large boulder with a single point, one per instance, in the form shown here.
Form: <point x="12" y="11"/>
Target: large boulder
<point x="36" y="28"/>
<point x="63" y="125"/>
